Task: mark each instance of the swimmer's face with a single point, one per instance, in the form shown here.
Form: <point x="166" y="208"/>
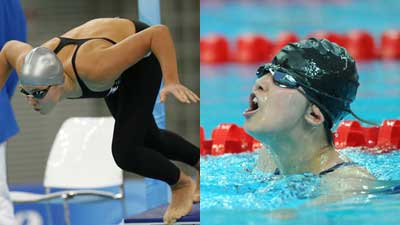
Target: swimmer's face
<point x="273" y="109"/>
<point x="40" y="96"/>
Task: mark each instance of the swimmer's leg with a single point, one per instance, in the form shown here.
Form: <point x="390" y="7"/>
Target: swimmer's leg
<point x="132" y="107"/>
<point x="196" y="196"/>
<point x="175" y="147"/>
<point x="131" y="155"/>
<point x="181" y="200"/>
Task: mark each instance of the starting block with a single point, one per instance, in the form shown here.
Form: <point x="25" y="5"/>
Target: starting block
<point x="155" y="217"/>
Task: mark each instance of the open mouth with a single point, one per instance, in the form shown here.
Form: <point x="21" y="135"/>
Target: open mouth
<point x="253" y="105"/>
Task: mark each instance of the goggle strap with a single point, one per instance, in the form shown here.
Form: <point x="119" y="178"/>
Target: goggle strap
<point x="361" y="119"/>
<point x="321" y="106"/>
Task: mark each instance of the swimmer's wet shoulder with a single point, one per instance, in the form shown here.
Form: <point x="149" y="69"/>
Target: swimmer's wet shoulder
<point x="343" y="183"/>
<point x="351" y="178"/>
<point x="77" y="49"/>
<point x="339" y="177"/>
<point x="86" y="92"/>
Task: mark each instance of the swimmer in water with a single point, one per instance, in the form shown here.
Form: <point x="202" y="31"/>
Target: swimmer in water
<point x="298" y="97"/>
<point x="122" y="61"/>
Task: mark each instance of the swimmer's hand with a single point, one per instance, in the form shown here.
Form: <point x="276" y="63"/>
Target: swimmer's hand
<point x="182" y="93"/>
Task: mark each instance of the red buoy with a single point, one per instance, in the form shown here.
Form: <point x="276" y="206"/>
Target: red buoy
<point x="253" y="48"/>
<point x="331" y="36"/>
<point x="360" y="45"/>
<point x="389" y="136"/>
<point x="214" y="49"/>
<point x="283" y="39"/>
<point x="390" y="44"/>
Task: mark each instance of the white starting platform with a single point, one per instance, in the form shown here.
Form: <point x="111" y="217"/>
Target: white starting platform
<point x="155" y="217"/>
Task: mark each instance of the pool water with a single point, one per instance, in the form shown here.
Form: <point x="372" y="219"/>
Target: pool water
<point x="269" y="17"/>
<point x="366" y="211"/>
<point x="233" y="191"/>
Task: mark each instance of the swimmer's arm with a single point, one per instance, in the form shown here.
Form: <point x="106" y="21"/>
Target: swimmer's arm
<point x="335" y="187"/>
<point x="344" y="183"/>
<point x="119" y="57"/>
<point x="350" y="186"/>
<point x="5" y="68"/>
<point x="11" y="58"/>
<point x="108" y="63"/>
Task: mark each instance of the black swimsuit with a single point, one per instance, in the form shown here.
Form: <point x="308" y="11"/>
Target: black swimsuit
<point x="86" y="92"/>
<point x="333" y="168"/>
<point x="138" y="145"/>
<point x="388" y="190"/>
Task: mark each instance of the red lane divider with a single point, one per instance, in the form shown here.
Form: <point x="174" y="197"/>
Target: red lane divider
<point x="230" y="138"/>
<point x="205" y="145"/>
<point x="351" y="134"/>
<point x="390" y="44"/>
<point x="331" y="36"/>
<point x="385" y="138"/>
<point x="389" y="135"/>
<point x="227" y="138"/>
<point x="256" y="48"/>
<point x="214" y="49"/>
<point x="361" y="45"/>
<point x="283" y="39"/>
<point x="253" y="48"/>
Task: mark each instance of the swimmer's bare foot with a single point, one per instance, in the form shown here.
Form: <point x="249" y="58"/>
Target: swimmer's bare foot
<point x="196" y="196"/>
<point x="181" y="202"/>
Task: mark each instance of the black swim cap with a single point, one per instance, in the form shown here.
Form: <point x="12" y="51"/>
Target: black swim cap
<point x="326" y="70"/>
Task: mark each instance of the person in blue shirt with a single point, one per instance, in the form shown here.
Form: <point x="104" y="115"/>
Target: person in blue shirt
<point x="12" y="27"/>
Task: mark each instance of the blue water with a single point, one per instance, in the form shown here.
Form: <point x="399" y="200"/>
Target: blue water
<point x="268" y="17"/>
<point x="233" y="190"/>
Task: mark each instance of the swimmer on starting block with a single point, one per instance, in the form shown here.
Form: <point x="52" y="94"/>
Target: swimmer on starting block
<point x="122" y="61"/>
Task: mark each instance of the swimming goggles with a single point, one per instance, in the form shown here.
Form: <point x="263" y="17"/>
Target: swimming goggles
<point x="285" y="79"/>
<point x="280" y="78"/>
<point x="38" y="94"/>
